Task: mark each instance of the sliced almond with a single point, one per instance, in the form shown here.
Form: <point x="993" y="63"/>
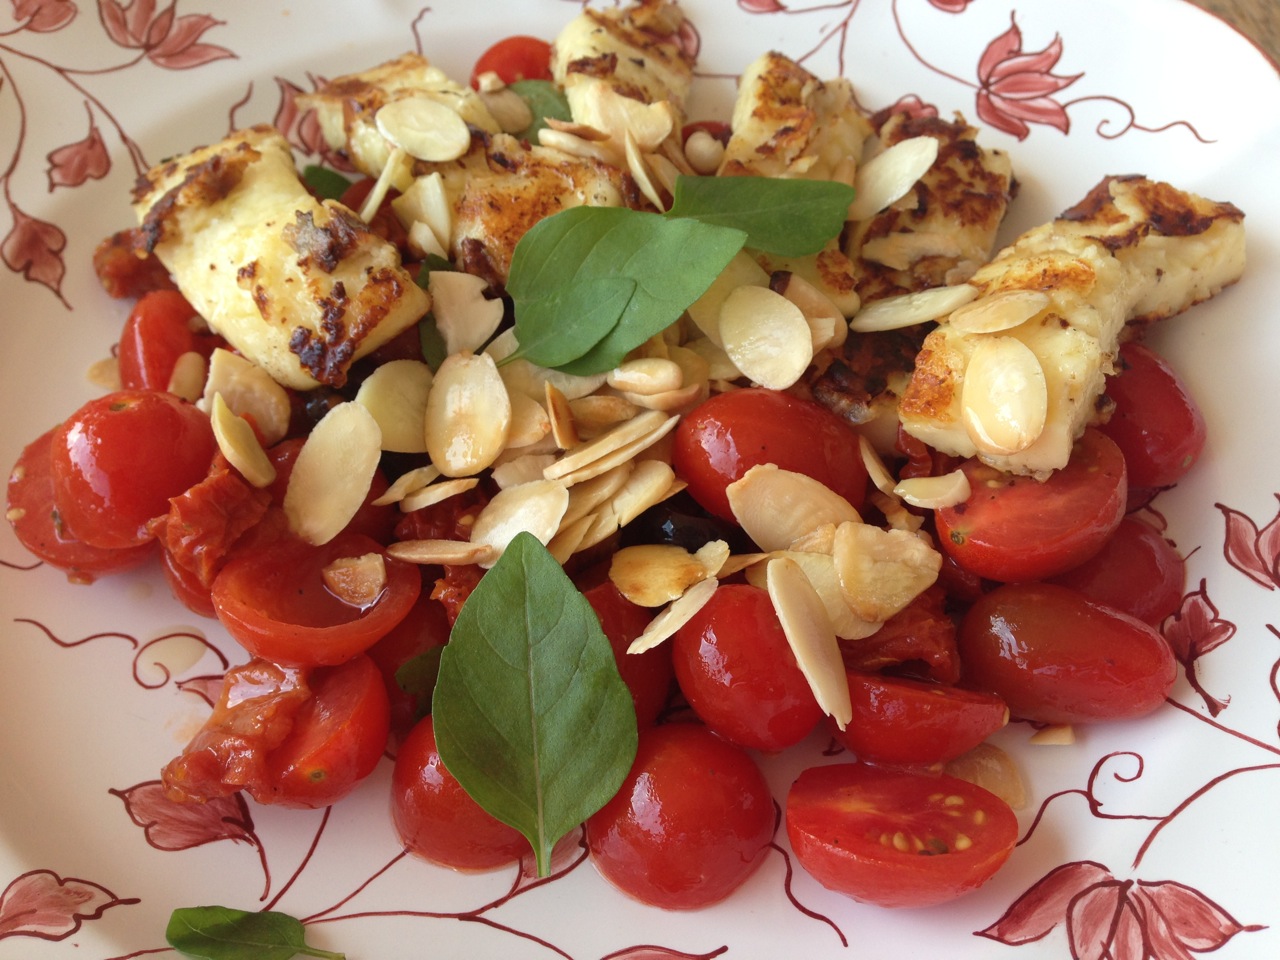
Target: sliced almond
<point x="647" y="484"/>
<point x="777" y="507"/>
<point x="425" y="201"/>
<point x="560" y="418"/>
<point x="881" y="571"/>
<point x="992" y="769"/>
<point x="521" y="376"/>
<point x="999" y="311"/>
<point x="909" y="309"/>
<point x="811" y="637"/>
<point x="356" y="581"/>
<point x="568" y="540"/>
<point x="529" y="422"/>
<point x="424" y="128"/>
<point x="465" y="318"/>
<point x="435" y="493"/>
<point x="622" y="436"/>
<point x="654" y="574"/>
<point x="599" y="412"/>
<point x="508" y="108"/>
<point x="187" y="379"/>
<point x="575" y="145"/>
<point x="332" y="473"/>
<point x="640" y="173"/>
<point x="876" y="470"/>
<point x="741" y="271"/>
<point x="521" y="469"/>
<point x="646" y="376"/>
<point x="889" y="175"/>
<point x="719" y="366"/>
<point x="104" y="373"/>
<point x="820" y="570"/>
<point x="451" y="552"/>
<point x="675" y="616"/>
<point x="249" y="391"/>
<point x="588" y="496"/>
<point x="655" y="443"/>
<point x="935" y="493"/>
<point x="536" y="508"/>
<point x="394" y="171"/>
<point x="1004" y="398"/>
<point x="896" y="515"/>
<point x="423" y="242"/>
<point x="827" y="324"/>
<point x="468" y="415"/>
<point x="239" y="444"/>
<point x="1054" y="735"/>
<point x="408" y="482"/>
<point x="603" y="526"/>
<point x="395" y="393"/>
<point x="766" y="336"/>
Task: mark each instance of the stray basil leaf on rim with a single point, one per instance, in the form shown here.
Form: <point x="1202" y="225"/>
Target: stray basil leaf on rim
<point x="222" y="933"/>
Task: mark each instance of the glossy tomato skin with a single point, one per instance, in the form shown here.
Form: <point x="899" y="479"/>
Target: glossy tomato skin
<point x="843" y="821"/>
<point x="912" y="722"/>
<point x="513" y="59"/>
<point x="691" y="822"/>
<point x="723" y="437"/>
<point x="120" y="457"/>
<point x="919" y="640"/>
<point x="1137" y="572"/>
<point x="274" y="602"/>
<point x="38" y="525"/>
<point x="157" y="332"/>
<point x="1156" y="422"/>
<point x="648" y="675"/>
<point x="1015" y="528"/>
<point x="437" y="820"/>
<point x="736" y="670"/>
<point x="1055" y="657"/>
<point x="424" y="628"/>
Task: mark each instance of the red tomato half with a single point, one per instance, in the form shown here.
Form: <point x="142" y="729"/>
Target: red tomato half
<point x="1055" y="657"/>
<point x="157" y="332"/>
<point x="1016" y="528"/>
<point x="515" y="58"/>
<point x="437" y="820"/>
<point x="1137" y="572"/>
<point x="274" y="601"/>
<point x="118" y="460"/>
<point x="724" y="437"/>
<point x="690" y="823"/>
<point x="901" y="721"/>
<point x="895" y="838"/>
<point x="1156" y="421"/>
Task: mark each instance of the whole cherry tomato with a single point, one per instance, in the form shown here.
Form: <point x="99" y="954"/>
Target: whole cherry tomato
<point x="647" y="675"/>
<point x="157" y="332"/>
<point x="895" y="838"/>
<point x="1015" y="528"/>
<point x="1055" y="657"/>
<point x="515" y="58"/>
<point x="119" y="458"/>
<point x="736" y="670"/>
<point x="1137" y="572"/>
<point x="725" y="436"/>
<point x="690" y="823"/>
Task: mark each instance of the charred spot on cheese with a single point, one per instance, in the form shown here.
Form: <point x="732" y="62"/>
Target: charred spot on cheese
<point x="326" y="246"/>
<point x="202" y="183"/>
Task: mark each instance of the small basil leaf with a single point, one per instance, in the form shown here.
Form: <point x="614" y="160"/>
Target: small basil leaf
<point x="530" y="713"/>
<point x="431" y="341"/>
<point x="325" y="183"/>
<point x="221" y="933"/>
<point x="417" y="677"/>
<point x="790" y="218"/>
<point x="593" y="308"/>
<point x="545" y="101"/>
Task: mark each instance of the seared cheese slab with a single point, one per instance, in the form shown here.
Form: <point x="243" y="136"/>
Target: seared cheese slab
<point x="301" y="288"/>
<point x="1133" y="250"/>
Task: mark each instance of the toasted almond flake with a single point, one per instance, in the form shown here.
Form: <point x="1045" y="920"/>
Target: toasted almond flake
<point x="704" y="152"/>
<point x="394" y="172"/>
<point x="664" y="171"/>
<point x="876" y="470"/>
<point x="395" y="394"/>
<point x="425" y="201"/>
<point x="992" y="769"/>
<point x="777" y="507"/>
<point x="560" y="418"/>
<point x="568" y="540"/>
<point x="739" y="562"/>
<point x="586" y="497"/>
<point x="408" y="482"/>
<point x="468" y="415"/>
<point x="465" y="318"/>
<point x="104" y="373"/>
<point x="645" y="376"/>
<point x="827" y="324"/>
<point x="239" y="444"/>
<point x="1004" y="399"/>
<point x="508" y="108"/>
<point x="811" y="637"/>
<point x="1054" y="735"/>
<point x="766" y="336"/>
<point x="935" y="493"/>
<point x="452" y="552"/>
<point x="901" y="249"/>
<point x="582" y="130"/>
<point x="999" y="311"/>
<point x="646" y="446"/>
<point x="909" y="309"/>
<point x="672" y="401"/>
<point x="654" y="574"/>
<point x="600" y="411"/>
<point x="187" y="379"/>
<point x="881" y="571"/>
<point x="713" y="555"/>
<point x="423" y="242"/>
<point x="623" y="435"/>
<point x="596" y="103"/>
<point x="719" y="366"/>
<point x="249" y="391"/>
<point x="436" y="493"/>
<point x="821" y="539"/>
<point x="896" y="515"/>
<point x="890" y="174"/>
<point x="575" y="145"/>
<point x="529" y="422"/>
<point x="356" y="581"/>
<point x="536" y="507"/>
<point x="646" y="484"/>
<point x="820" y="569"/>
<point x="741" y="271"/>
<point x="603" y="526"/>
<point x="674" y="616"/>
<point x="639" y="171"/>
<point x="424" y="128"/>
<point x="332" y="473"/>
<point x="521" y="376"/>
<point x="521" y="469"/>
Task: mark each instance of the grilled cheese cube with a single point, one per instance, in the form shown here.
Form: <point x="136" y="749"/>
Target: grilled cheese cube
<point x="1133" y="251"/>
<point x="299" y="287"/>
<point x="346" y="107"/>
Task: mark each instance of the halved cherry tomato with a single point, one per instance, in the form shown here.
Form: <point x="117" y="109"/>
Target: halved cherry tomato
<point x="689" y="825"/>
<point x="725" y="436"/>
<point x="903" y="721"/>
<point x="1156" y="421"/>
<point x="186" y="588"/>
<point x="424" y="628"/>
<point x="1015" y="528"/>
<point x="1137" y="572"/>
<point x="647" y="675"/>
<point x="736" y="670"/>
<point x="515" y="58"/>
<point x="157" y="332"/>
<point x="274" y="601"/>
<point x="437" y="820"/>
<point x="38" y="525"/>
<point x="895" y="838"/>
<point x="1055" y="657"/>
<point x="119" y="458"/>
<point x="286" y="736"/>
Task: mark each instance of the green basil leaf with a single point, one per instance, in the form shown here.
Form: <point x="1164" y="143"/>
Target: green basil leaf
<point x="671" y="262"/>
<point x="431" y="342"/>
<point x="790" y="218"/>
<point x="325" y="183"/>
<point x="530" y="713"/>
<point x="221" y="933"/>
<point x="417" y="677"/>
<point x="594" y="306"/>
<point x="545" y="100"/>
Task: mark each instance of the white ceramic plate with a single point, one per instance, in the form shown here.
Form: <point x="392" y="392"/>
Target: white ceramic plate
<point x="1162" y="834"/>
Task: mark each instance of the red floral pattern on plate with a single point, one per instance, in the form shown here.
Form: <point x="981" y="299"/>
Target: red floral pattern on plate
<point x="42" y="904"/>
<point x="1016" y="87"/>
